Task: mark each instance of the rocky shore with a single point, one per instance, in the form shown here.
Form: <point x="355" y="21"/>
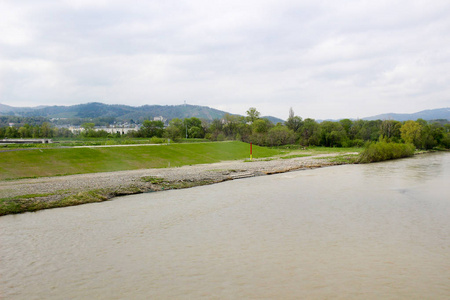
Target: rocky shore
<point x="47" y="192"/>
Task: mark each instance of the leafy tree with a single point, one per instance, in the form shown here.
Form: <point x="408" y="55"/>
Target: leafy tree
<point x="11" y="132"/>
<point x="216" y="126"/>
<point x="294" y="123"/>
<point x="46" y="130"/>
<point x="261" y="126"/>
<point x="151" y="129"/>
<point x="332" y="134"/>
<point x="347" y="125"/>
<point x="438" y="132"/>
<point x="25" y="131"/>
<point x="280" y="135"/>
<point x="190" y="123"/>
<point x="391" y="129"/>
<point x="410" y="132"/>
<point x="37" y="131"/>
<point x="88" y="129"/>
<point x="232" y="125"/>
<point x="62" y="132"/>
<point x="252" y="115"/>
<point x="309" y="133"/>
<point x="427" y="140"/>
<point x="445" y="141"/>
<point x="175" y="129"/>
<point x="196" y="132"/>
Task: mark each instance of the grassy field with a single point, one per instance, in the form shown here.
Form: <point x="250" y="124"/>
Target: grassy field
<point x="65" y="161"/>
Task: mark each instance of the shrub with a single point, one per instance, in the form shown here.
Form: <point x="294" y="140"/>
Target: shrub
<point x="157" y="140"/>
<point x="380" y="151"/>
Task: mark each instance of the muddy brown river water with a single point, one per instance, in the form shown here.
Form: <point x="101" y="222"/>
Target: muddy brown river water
<point x="376" y="231"/>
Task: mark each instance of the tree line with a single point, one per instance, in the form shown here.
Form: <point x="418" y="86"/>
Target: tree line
<point x="254" y="129"/>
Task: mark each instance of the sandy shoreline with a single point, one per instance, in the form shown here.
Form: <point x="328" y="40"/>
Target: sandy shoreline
<point x="49" y="189"/>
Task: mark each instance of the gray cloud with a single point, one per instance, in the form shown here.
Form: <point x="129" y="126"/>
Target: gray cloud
<point x="326" y="59"/>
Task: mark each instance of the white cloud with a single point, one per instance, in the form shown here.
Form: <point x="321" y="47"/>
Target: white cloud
<point x="326" y="59"/>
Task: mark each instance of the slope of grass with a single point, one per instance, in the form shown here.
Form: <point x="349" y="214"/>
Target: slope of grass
<point x="54" y="162"/>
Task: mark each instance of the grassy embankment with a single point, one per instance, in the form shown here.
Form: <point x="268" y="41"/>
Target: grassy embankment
<point x="80" y="141"/>
<point x="65" y="161"/>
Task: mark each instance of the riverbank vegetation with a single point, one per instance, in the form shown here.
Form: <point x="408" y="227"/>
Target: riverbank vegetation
<point x="384" y="150"/>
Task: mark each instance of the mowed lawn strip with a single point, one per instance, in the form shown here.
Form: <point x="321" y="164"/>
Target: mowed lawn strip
<point x="54" y="162"/>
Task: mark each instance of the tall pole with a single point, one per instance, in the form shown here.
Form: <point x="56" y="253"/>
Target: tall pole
<point x="185" y="118"/>
<point x="251" y="151"/>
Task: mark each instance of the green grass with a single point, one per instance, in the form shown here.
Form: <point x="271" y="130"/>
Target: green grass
<point x="65" y="161"/>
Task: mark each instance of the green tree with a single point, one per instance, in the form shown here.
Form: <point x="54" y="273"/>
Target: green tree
<point x="309" y="133"/>
<point x="280" y="135"/>
<point x="427" y="140"/>
<point x="11" y="132"/>
<point x="196" y="132"/>
<point x="175" y="129"/>
<point x="437" y="131"/>
<point x="347" y="125"/>
<point x="293" y="122"/>
<point x="232" y="125"/>
<point x="46" y="130"/>
<point x="252" y="115"/>
<point x="332" y="134"/>
<point x="25" y="131"/>
<point x="390" y="129"/>
<point x="88" y="129"/>
<point x="410" y="132"/>
<point x="261" y="126"/>
<point x="190" y="123"/>
<point x="151" y="129"/>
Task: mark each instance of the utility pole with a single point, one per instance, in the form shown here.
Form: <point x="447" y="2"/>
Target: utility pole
<point x="185" y="118"/>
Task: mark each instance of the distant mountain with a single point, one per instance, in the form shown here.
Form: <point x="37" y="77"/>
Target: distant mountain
<point x="12" y="111"/>
<point x="119" y="112"/>
<point x="274" y="120"/>
<point x="430" y="114"/>
<point x="4" y="108"/>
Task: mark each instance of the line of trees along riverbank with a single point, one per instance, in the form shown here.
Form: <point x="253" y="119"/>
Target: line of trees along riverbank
<point x="260" y="131"/>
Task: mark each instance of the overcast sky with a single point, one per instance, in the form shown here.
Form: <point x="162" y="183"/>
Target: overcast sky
<point x="325" y="59"/>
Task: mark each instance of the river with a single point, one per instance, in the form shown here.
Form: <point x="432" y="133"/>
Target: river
<point x="375" y="231"/>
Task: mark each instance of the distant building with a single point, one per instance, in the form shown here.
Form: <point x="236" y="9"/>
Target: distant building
<point x="111" y="129"/>
<point x="160" y="118"/>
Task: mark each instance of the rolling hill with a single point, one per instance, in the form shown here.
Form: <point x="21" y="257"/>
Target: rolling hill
<point x="119" y="112"/>
<point x="429" y="114"/>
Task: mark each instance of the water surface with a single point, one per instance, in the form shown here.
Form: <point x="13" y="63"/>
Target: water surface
<point x="377" y="231"/>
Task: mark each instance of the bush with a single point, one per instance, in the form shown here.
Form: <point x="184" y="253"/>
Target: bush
<point x="157" y="140"/>
<point x="380" y="151"/>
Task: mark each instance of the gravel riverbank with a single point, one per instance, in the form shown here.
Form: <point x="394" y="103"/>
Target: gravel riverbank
<point x="48" y="189"/>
